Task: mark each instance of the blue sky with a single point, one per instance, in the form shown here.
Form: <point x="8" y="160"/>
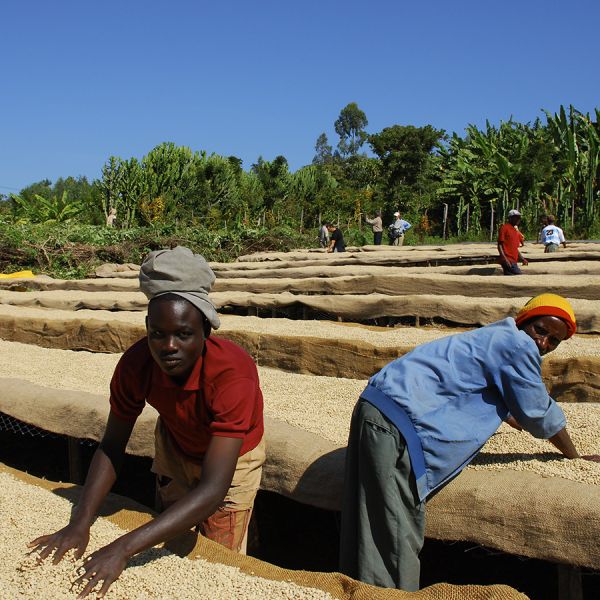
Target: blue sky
<point x="83" y="80"/>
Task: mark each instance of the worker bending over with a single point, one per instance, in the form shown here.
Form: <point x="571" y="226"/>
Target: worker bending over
<point x="426" y="415"/>
<point x="209" y="447"/>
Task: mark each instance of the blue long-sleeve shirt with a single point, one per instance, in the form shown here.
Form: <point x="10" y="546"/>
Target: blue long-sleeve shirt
<point x="448" y="397"/>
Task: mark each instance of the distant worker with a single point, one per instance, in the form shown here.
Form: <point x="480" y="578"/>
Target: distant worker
<point x="336" y="239"/>
<point x="426" y="415"/>
<point x="397" y="230"/>
<point x="544" y="222"/>
<point x="552" y="236"/>
<point x="324" y="236"/>
<point x="377" y="226"/>
<point x="111" y="219"/>
<point x="509" y="241"/>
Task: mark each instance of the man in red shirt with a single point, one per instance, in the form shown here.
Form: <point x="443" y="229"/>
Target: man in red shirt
<point x="209" y="447"/>
<point x="509" y="241"/>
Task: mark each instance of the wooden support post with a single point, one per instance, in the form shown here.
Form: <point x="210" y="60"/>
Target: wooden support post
<point x="75" y="468"/>
<point x="340" y="320"/>
<point x="569" y="582"/>
<point x="304" y="312"/>
<point x="417" y="321"/>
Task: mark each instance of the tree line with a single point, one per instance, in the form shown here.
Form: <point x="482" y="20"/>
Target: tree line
<point x="446" y="185"/>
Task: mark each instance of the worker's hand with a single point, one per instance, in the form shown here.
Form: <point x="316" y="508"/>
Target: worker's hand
<point x="592" y="457"/>
<point x="513" y="423"/>
<point x="104" y="565"/>
<point x="73" y="536"/>
<point x="524" y="262"/>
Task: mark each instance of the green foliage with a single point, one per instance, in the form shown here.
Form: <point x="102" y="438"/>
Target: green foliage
<point x="324" y="151"/>
<point x="56" y="209"/>
<point x="350" y="126"/>
<point x="551" y="167"/>
<point x="72" y="251"/>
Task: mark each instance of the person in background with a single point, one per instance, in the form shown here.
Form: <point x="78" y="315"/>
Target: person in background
<point x="544" y="222"/>
<point x="324" y="236"/>
<point x="209" y="445"/>
<point x="336" y="239"/>
<point x="509" y="242"/>
<point x="111" y="219"/>
<point x="426" y="415"/>
<point x="377" y="226"/>
<point x="397" y="230"/>
<point x="552" y="236"/>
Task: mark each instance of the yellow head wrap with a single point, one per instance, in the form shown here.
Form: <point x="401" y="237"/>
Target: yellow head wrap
<point x="549" y="305"/>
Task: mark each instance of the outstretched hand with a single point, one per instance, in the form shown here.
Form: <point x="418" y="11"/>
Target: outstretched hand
<point x="71" y="537"/>
<point x="104" y="565"/>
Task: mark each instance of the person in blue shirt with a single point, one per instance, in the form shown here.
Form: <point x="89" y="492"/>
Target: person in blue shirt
<point x="397" y="230"/>
<point x="426" y="415"/>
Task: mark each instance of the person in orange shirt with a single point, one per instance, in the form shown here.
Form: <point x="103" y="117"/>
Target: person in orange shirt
<point x="509" y="241"/>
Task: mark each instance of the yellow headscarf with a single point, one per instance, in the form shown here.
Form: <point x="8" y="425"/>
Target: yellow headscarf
<point x="549" y="305"/>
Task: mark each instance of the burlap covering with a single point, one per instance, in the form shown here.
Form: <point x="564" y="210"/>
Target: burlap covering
<point x="274" y="270"/>
<point x="314" y="281"/>
<point x="515" y="512"/>
<point x="407" y="255"/>
<point x="572" y="378"/>
<point x="126" y="270"/>
<point x="351" y="307"/>
<point x="129" y="515"/>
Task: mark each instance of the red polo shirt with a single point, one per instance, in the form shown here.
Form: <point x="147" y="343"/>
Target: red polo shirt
<point x="511" y="240"/>
<point x="221" y="396"/>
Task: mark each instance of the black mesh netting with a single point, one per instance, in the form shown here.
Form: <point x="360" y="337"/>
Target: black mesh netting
<point x="8" y="423"/>
<point x="12" y="425"/>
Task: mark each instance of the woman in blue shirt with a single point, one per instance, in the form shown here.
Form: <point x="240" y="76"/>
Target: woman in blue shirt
<point x="426" y="415"/>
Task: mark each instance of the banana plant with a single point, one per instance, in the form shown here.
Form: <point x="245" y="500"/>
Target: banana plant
<point x="56" y="209"/>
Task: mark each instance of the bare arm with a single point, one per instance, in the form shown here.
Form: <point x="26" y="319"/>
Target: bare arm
<point x="562" y="441"/>
<point x="100" y="479"/>
<point x="196" y="506"/>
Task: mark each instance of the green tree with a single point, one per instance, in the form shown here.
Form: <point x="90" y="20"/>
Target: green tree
<point x="323" y="151"/>
<point x="350" y="126"/>
<point x="56" y="209"/>
<point x="407" y="169"/>
<point x="274" y="178"/>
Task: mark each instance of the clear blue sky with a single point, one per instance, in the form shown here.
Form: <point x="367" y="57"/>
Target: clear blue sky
<point x="81" y="80"/>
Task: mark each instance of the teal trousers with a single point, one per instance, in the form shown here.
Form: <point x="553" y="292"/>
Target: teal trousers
<point x="383" y="521"/>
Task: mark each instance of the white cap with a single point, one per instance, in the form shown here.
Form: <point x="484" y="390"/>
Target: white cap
<point x="514" y="213"/>
<point x="396" y="214"/>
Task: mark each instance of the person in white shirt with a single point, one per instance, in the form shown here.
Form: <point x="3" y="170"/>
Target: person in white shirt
<point x="397" y="230"/>
<point x="552" y="236"/>
<point x="324" y="236"/>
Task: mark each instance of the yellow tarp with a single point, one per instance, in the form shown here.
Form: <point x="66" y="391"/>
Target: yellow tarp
<point x="18" y="275"/>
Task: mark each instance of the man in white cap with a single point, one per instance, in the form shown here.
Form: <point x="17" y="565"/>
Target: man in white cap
<point x="509" y="241"/>
<point x="397" y="230"/>
<point x="209" y="435"/>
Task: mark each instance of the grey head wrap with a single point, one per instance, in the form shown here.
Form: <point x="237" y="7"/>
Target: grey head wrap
<point x="180" y="271"/>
